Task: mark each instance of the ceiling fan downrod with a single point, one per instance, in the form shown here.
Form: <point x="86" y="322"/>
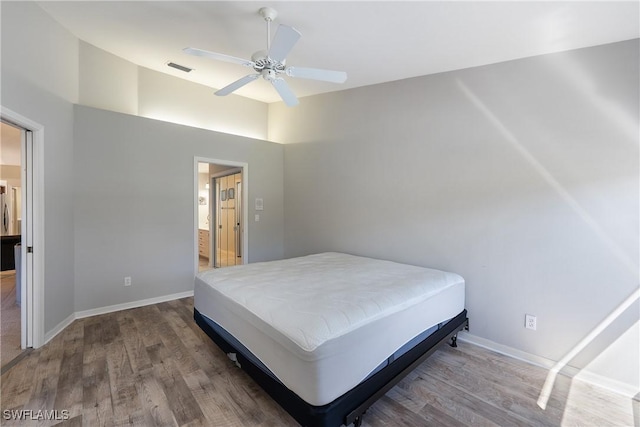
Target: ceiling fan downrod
<point x="269" y="15"/>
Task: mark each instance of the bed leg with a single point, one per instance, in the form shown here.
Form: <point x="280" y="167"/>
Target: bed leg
<point x="454" y="341"/>
<point x="358" y="421"/>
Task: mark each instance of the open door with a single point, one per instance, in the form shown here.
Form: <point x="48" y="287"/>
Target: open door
<point x="228" y="220"/>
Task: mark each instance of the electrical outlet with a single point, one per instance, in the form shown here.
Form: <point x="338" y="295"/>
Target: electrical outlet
<point x="530" y="321"/>
<point x="127" y="281"/>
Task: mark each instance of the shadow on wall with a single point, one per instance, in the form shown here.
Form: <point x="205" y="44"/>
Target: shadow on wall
<point x="624" y="317"/>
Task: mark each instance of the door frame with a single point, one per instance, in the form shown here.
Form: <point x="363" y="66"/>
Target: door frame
<point x="244" y="168"/>
<point x="32" y="228"/>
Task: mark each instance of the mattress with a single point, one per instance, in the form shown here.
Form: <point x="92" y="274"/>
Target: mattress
<point x="322" y="323"/>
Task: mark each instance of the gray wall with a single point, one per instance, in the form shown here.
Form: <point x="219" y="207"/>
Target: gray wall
<point x="45" y="70"/>
<point x="39" y="77"/>
<point x="134" y="203"/>
<point x="521" y="176"/>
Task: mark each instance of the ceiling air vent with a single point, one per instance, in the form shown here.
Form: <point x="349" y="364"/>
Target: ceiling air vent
<point x="179" y="67"/>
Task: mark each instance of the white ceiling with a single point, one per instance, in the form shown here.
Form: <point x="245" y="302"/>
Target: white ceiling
<point x="372" y="41"/>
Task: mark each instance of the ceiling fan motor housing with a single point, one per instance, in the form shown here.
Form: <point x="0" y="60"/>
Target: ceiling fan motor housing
<point x="262" y="62"/>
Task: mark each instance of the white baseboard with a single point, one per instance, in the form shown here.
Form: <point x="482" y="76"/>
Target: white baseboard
<point x="110" y="309"/>
<point x="132" y="304"/>
<point x="616" y="386"/>
<point x="621" y="388"/>
<point x="59" y="328"/>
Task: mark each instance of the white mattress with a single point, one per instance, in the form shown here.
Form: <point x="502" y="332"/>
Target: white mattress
<point x="321" y="323"/>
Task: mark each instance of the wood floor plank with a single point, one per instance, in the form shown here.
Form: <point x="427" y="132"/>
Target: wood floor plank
<point x="526" y="381"/>
<point x="45" y="384"/>
<point x="185" y="408"/>
<point x="530" y="380"/>
<point x="427" y="412"/>
<point x="461" y="405"/>
<point x="144" y="320"/>
<point x="10" y="325"/>
<point x="493" y="391"/>
<point x="392" y="413"/>
<point x="71" y="422"/>
<point x="153" y="366"/>
<point x="70" y="388"/>
<point x="133" y="342"/>
<point x="180" y="354"/>
<point x="110" y="329"/>
<point x="242" y="394"/>
<point x="216" y="408"/>
<point x="18" y="382"/>
<point x="96" y="394"/>
<point x="600" y="403"/>
<point x="124" y="395"/>
<point x="180" y="399"/>
<point x="153" y="397"/>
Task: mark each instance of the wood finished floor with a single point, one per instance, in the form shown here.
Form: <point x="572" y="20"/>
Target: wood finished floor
<point x="153" y="366"/>
<point x="9" y="318"/>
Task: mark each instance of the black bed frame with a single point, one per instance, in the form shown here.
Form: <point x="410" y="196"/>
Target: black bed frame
<point x="351" y="406"/>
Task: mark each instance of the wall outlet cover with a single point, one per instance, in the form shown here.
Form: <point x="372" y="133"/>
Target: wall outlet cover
<point x="530" y="321"/>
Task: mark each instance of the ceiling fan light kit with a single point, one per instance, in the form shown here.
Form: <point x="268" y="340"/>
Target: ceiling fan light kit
<point x="270" y="64"/>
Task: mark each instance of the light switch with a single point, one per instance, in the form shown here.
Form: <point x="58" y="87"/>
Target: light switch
<point x="257" y="217"/>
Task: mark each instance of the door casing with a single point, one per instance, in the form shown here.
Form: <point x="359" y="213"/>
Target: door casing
<point x="32" y="228"/>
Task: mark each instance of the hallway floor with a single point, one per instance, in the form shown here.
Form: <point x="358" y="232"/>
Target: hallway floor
<point x="9" y="318"/>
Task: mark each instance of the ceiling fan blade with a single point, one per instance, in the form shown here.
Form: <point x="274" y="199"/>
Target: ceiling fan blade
<point x="286" y="37"/>
<point x="317" y="74"/>
<point x="218" y="56"/>
<point x="285" y="92"/>
<point x="237" y="84"/>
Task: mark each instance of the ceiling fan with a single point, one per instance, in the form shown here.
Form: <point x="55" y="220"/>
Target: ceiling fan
<point x="271" y="63"/>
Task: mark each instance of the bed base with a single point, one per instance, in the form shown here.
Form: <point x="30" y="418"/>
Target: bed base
<point x="350" y="407"/>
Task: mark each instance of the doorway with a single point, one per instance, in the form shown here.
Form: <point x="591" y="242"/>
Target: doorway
<point x="221" y="193"/>
<point x="11" y="236"/>
<point x="17" y="233"/>
<point x="31" y="280"/>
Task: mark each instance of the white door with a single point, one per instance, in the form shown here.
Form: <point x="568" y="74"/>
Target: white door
<point x="228" y="220"/>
